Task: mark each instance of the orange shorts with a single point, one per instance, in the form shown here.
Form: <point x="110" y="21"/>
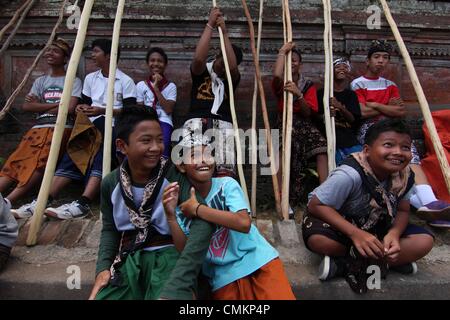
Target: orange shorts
<point x="267" y="283"/>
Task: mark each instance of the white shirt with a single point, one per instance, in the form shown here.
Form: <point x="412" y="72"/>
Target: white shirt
<point x="96" y="85"/>
<point x="145" y="95"/>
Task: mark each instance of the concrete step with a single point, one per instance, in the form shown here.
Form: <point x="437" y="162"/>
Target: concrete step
<point x="63" y="269"/>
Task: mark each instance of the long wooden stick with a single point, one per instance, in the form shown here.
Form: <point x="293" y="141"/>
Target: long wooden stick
<point x="19" y="88"/>
<point x="254" y="102"/>
<point x="107" y="142"/>
<point x="14" y="31"/>
<point x="233" y="113"/>
<point x="284" y="113"/>
<point x="437" y="144"/>
<point x="288" y="138"/>
<point x="332" y="163"/>
<point x="328" y="86"/>
<point x="263" y="106"/>
<point x="13" y="19"/>
<point x="60" y="124"/>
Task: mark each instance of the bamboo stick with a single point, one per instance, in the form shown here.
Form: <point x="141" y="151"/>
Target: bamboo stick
<point x="13" y="19"/>
<point x="14" y="31"/>
<point x="263" y="107"/>
<point x="288" y="138"/>
<point x="107" y="142"/>
<point x="437" y="144"/>
<point x="328" y="87"/>
<point x="283" y="123"/>
<point x="60" y="124"/>
<point x="254" y="102"/>
<point x="19" y="88"/>
<point x="333" y="127"/>
<point x="233" y="114"/>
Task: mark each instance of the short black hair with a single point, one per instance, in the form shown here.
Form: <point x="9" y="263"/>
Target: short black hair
<point x="105" y="45"/>
<point x="297" y="52"/>
<point x="237" y="52"/>
<point x="158" y="50"/>
<point x="130" y="117"/>
<point x="385" y="125"/>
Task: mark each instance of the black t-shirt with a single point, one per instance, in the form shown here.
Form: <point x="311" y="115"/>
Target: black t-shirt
<point x="345" y="131"/>
<point x="202" y="98"/>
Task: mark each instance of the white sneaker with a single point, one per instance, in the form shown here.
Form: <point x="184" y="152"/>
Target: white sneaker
<point x="25" y="211"/>
<point x="68" y="211"/>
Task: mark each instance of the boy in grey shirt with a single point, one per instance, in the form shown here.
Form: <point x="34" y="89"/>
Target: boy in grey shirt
<point x="359" y="216"/>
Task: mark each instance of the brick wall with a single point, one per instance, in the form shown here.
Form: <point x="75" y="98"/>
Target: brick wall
<point x="176" y="26"/>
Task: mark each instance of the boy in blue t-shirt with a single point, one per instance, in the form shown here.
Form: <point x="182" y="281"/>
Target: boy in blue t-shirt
<point x="240" y="264"/>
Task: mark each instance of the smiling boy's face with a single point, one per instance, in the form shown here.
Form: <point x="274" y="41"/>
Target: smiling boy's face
<point x="145" y="145"/>
<point x="389" y="153"/>
<point x="198" y="165"/>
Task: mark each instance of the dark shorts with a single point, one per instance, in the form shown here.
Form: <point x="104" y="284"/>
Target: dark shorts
<point x="313" y="226"/>
<point x="67" y="168"/>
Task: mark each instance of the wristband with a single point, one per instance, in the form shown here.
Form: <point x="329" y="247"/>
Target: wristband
<point x="196" y="210"/>
<point x="209" y="26"/>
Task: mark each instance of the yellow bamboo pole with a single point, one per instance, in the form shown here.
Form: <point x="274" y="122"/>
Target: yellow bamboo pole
<point x="19" y="88"/>
<point x="233" y="114"/>
<point x="60" y="124"/>
<point x="14" y="31"/>
<point x="107" y="142"/>
<point x="288" y="138"/>
<point x="254" y="102"/>
<point x="13" y="19"/>
<point x="263" y="106"/>
<point x="328" y="86"/>
<point x="437" y="144"/>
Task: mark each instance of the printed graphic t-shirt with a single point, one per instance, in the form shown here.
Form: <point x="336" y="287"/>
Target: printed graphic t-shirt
<point x="202" y="98"/>
<point x="232" y="255"/>
<point x="49" y="90"/>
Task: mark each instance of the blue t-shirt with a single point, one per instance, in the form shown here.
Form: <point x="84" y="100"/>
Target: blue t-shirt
<point x="232" y="255"/>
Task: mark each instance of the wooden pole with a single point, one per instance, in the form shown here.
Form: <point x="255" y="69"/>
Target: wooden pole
<point x="107" y="141"/>
<point x="254" y="102"/>
<point x="288" y="138"/>
<point x="263" y="105"/>
<point x="437" y="144"/>
<point x="13" y="19"/>
<point x="19" y="88"/>
<point x="328" y="86"/>
<point x="283" y="123"/>
<point x="233" y="114"/>
<point x="60" y="124"/>
<point x="19" y="23"/>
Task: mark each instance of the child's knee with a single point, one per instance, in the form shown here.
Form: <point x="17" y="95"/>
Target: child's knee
<point x="326" y="246"/>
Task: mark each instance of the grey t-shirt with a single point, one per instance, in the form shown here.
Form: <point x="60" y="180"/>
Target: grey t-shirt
<point x="49" y="90"/>
<point x="343" y="191"/>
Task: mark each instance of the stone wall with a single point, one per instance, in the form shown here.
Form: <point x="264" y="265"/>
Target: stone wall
<point x="176" y="26"/>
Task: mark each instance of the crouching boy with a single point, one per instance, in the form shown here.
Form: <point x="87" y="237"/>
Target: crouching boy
<point x="359" y="216"/>
<point x="240" y="264"/>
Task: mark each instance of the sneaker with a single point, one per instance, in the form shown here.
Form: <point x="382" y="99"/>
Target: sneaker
<point x="409" y="268"/>
<point x="330" y="268"/>
<point x="440" y="223"/>
<point x="25" y="211"/>
<point x="73" y="210"/>
<point x="436" y="210"/>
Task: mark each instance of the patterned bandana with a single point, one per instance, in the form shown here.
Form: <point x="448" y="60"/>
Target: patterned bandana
<point x="342" y="60"/>
<point x="140" y="217"/>
<point x="379" y="46"/>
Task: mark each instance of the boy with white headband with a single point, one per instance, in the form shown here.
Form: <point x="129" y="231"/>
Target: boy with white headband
<point x="344" y="107"/>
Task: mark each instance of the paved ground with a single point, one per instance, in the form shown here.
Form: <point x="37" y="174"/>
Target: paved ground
<point x="66" y="251"/>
